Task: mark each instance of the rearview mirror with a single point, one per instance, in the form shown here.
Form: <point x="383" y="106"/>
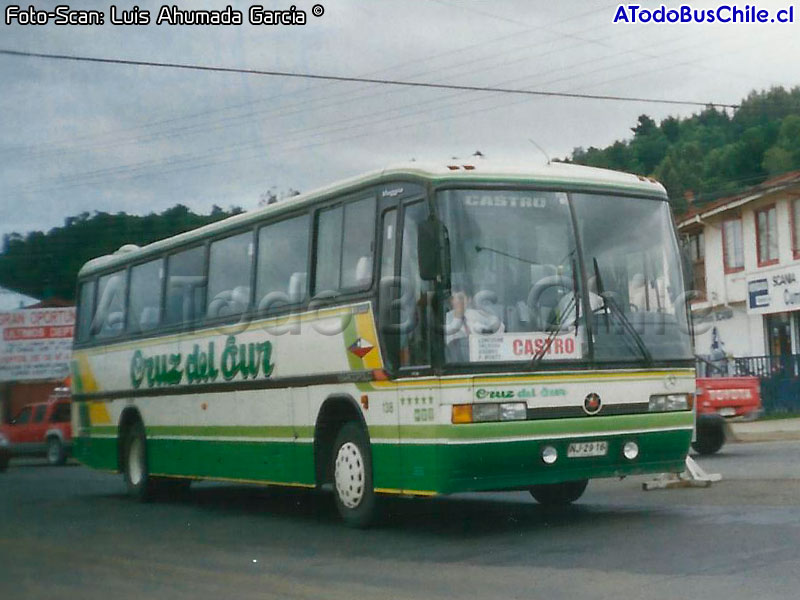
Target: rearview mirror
<point x="430" y="237"/>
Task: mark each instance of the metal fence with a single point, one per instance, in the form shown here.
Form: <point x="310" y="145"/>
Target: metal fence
<point x="779" y="375"/>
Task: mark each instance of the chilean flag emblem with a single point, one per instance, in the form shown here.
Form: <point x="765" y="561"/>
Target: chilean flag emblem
<point x="361" y="347"/>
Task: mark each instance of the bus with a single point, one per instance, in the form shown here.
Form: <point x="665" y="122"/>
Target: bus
<point x="421" y="330"/>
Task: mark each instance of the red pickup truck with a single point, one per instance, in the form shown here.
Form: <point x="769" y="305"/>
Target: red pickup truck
<point x="41" y="429"/>
<point x="719" y="401"/>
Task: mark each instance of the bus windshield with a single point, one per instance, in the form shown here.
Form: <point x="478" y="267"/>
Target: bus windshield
<point x="513" y="276"/>
<point x="632" y="262"/>
<point x="516" y="286"/>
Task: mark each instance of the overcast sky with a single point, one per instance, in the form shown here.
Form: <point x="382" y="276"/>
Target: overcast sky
<point x="84" y="136"/>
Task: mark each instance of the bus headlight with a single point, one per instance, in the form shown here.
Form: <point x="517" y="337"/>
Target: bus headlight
<point x="481" y="413"/>
<point x="488" y="412"/>
<point x="513" y="411"/>
<point x="670" y="402"/>
<point x="3" y="441"/>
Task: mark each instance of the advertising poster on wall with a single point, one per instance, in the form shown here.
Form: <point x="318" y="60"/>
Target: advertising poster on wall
<point x="36" y="344"/>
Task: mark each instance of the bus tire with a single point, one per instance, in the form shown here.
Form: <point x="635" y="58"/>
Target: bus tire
<point x="139" y="484"/>
<point x="710" y="435"/>
<point x="4" y="458"/>
<point x="351" y="466"/>
<point x="56" y="454"/>
<point x="559" y="494"/>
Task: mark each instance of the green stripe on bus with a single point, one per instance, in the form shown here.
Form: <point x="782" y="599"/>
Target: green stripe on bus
<point x="472" y="431"/>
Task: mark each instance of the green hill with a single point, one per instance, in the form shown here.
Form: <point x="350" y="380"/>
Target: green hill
<point x="713" y="153"/>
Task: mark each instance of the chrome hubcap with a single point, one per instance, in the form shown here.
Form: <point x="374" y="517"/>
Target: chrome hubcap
<point x="52" y="451"/>
<point x="136" y="461"/>
<point x="349" y="475"/>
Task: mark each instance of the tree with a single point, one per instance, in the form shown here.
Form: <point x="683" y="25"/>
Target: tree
<point x="711" y="152"/>
<point x="46" y="264"/>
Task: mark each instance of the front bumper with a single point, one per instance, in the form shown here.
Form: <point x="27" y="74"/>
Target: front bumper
<point x="503" y="456"/>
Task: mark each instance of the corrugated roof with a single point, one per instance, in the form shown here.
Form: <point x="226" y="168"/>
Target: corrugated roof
<point x="770" y="186"/>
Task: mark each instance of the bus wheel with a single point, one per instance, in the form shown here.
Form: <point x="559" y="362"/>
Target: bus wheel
<point x="56" y="455"/>
<point x="352" y="476"/>
<point x="134" y="464"/>
<point x="710" y="438"/>
<point x="4" y="458"/>
<point x="559" y="494"/>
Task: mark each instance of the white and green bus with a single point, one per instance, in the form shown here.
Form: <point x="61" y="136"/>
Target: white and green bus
<point x="422" y="330"/>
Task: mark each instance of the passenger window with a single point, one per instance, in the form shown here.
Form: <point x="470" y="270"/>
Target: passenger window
<point x="38" y="414"/>
<point x="282" y="266"/>
<point x="229" y="267"/>
<point x="109" y="319"/>
<point x="186" y="286"/>
<point x="345" y="247"/>
<point x="144" y="299"/>
<point x="329" y="251"/>
<point x="85" y="309"/>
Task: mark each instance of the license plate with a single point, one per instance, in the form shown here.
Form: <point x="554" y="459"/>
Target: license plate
<point x="727" y="411"/>
<point x="583" y="449"/>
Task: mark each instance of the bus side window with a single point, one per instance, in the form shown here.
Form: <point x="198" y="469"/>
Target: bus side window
<point x="144" y="296"/>
<point x="186" y="286"/>
<point x="85" y="310"/>
<point x="229" y="265"/>
<point x="282" y="266"/>
<point x="328" y="251"/>
<point x="414" y="297"/>
<point x="357" y="244"/>
<point x="344" y="248"/>
<point x="109" y="318"/>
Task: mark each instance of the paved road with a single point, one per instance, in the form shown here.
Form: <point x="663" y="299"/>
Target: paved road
<point x="70" y="532"/>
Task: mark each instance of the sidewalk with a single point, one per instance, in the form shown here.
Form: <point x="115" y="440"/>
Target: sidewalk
<point x="772" y="430"/>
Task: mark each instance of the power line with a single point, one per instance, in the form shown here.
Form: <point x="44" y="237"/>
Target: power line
<point x="395" y="82"/>
<point x="422" y="59"/>
<point x="185" y="161"/>
<point x="87" y="178"/>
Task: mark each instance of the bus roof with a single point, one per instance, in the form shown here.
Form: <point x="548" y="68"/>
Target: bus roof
<point x="476" y="169"/>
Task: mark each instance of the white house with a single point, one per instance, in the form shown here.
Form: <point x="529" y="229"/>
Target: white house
<point x="746" y="253"/>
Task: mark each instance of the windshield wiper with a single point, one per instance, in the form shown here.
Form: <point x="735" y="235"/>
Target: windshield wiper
<point x="609" y="302"/>
<point x="479" y="248"/>
<point x="556" y="327"/>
